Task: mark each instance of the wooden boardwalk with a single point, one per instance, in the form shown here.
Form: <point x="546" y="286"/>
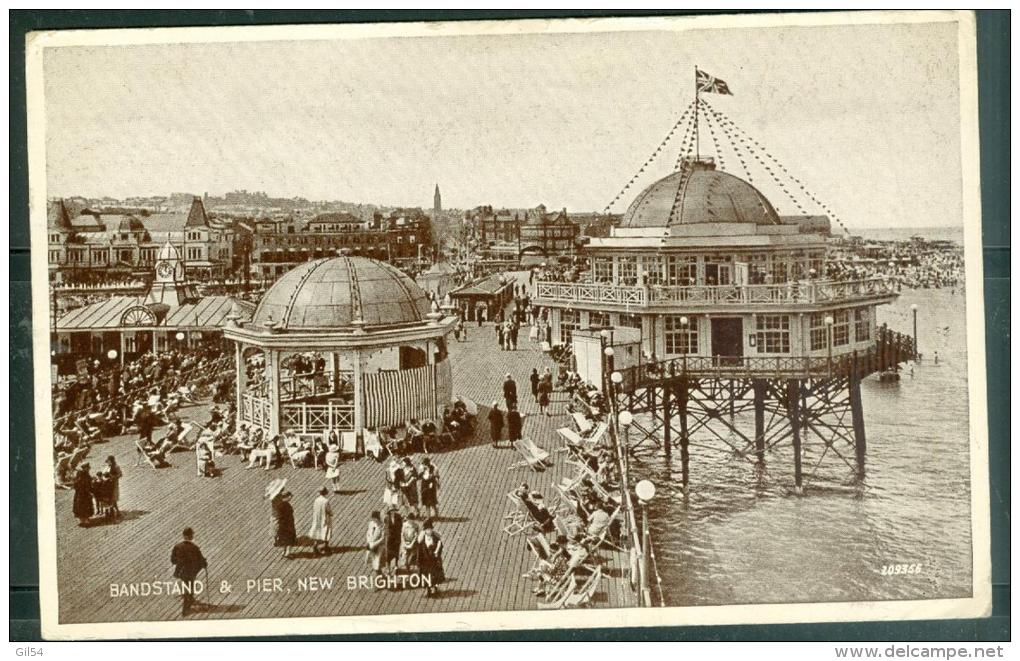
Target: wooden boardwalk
<point x="232" y="523"/>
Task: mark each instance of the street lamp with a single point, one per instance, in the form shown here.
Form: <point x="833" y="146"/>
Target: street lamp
<point x="829" y="321"/>
<point x="112" y="354"/>
<point x="683" y="325"/>
<point x="645" y="491"/>
<point x="913" y="308"/>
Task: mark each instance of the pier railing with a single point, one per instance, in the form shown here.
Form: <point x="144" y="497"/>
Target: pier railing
<point x="793" y="292"/>
<point x="890" y="349"/>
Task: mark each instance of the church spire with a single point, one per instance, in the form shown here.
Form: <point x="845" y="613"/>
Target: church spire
<point x="437" y="202"/>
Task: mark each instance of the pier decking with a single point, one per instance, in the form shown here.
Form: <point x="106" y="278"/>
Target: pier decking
<point x="232" y="523"/>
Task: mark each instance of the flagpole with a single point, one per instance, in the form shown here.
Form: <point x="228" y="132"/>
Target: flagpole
<point x="697" y="137"/>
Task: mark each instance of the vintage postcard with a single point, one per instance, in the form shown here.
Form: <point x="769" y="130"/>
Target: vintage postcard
<point x="507" y="325"/>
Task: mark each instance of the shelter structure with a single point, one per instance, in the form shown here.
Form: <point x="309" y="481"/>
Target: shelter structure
<point x="168" y="315"/>
<point x="343" y="343"/>
<point x="483" y="299"/>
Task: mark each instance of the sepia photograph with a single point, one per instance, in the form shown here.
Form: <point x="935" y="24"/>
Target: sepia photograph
<point x="501" y="325"/>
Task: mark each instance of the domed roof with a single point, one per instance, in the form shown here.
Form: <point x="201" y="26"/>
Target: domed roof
<point x="168" y="252"/>
<point x="332" y="293"/>
<point x="706" y="195"/>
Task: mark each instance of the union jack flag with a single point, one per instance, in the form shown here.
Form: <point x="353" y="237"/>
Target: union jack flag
<point x="707" y="83"/>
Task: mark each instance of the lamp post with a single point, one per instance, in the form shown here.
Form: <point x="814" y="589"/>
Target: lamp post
<point x="625" y="418"/>
<point x="603" y="339"/>
<point x="645" y="491"/>
<point x="913" y="309"/>
<point x="829" y="321"/>
<point x="683" y="324"/>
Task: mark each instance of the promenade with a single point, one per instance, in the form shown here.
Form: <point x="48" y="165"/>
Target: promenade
<point x="232" y="523"/>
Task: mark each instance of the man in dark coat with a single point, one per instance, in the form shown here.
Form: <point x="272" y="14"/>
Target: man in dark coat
<point x="510" y="392"/>
<point x="83" y="507"/>
<point x="513" y="424"/>
<point x="495" y="424"/>
<point x="187" y="560"/>
<point x="392" y="524"/>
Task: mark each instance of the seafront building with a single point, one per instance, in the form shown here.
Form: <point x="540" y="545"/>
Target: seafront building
<point x="95" y="247"/>
<point x="171" y="314"/>
<point x="702" y="265"/>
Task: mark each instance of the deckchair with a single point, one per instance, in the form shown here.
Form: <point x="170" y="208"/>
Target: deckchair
<point x="142" y="453"/>
<point x="517" y="518"/>
<point x="182" y="442"/>
<point x="528" y="459"/>
<point x="538" y="453"/>
<point x="582" y="596"/>
<point x="60" y="470"/>
<point x="560" y="594"/>
<point x="78" y="456"/>
<point x="582" y="423"/>
<point x="540" y="556"/>
<point x="373" y="447"/>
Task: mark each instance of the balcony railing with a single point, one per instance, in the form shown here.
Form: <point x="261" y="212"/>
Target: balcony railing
<point x="661" y="295"/>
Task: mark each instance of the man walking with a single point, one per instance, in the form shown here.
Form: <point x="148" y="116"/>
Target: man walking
<point x="495" y="424"/>
<point x="187" y="560"/>
<point x="513" y="424"/>
<point x="510" y="392"/>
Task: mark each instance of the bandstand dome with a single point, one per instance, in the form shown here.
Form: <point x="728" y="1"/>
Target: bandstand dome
<point x="704" y="195"/>
<point x="334" y="292"/>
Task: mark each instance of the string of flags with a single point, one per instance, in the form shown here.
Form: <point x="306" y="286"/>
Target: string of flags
<point x="650" y="159"/>
<point x="713" y="113"/>
<point x="775" y="161"/>
<point x="737" y="153"/>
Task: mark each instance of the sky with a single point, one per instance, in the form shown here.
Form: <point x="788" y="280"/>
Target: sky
<point x="867" y="117"/>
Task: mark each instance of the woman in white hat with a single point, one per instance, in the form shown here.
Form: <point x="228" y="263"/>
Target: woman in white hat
<point x="333" y="466"/>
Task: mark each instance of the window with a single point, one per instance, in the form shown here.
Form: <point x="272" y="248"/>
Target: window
<point x="819" y="332"/>
<point x="680" y="339"/>
<point x="630" y="321"/>
<point x="570" y="320"/>
<point x="773" y="333"/>
<point x="779" y="270"/>
<point x="653" y="270"/>
<point x="602" y="269"/>
<point x="130" y="343"/>
<point x="862" y="325"/>
<point x="841" y="328"/>
<point x="97" y="344"/>
<point x="681" y="271"/>
<point x="598" y="319"/>
<point x="627" y="270"/>
<point x="54" y="256"/>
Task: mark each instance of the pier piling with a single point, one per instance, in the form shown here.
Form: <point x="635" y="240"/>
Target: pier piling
<point x="857" y="417"/>
<point x="685" y="457"/>
<point x="759" y="419"/>
<point x="793" y="408"/>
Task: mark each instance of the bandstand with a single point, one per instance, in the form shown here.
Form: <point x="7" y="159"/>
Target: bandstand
<point x="735" y="317"/>
<point x="343" y="343"/>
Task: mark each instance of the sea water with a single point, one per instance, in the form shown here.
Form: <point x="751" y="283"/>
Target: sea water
<point x="742" y="536"/>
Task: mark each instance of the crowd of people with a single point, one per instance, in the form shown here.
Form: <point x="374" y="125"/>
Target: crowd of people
<point x="96" y="495"/>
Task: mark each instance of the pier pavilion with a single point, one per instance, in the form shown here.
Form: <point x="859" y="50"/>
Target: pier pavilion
<point x="381" y="353"/>
<point x="702" y="265"/>
<point x="734" y="313"/>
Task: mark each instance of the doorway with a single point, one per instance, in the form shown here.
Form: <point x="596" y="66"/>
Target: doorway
<point x="728" y="340"/>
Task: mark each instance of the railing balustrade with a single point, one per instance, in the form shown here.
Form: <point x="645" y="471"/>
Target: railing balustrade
<point x="653" y="295"/>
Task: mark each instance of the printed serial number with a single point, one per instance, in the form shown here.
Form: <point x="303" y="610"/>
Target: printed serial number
<point x="896" y="570"/>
